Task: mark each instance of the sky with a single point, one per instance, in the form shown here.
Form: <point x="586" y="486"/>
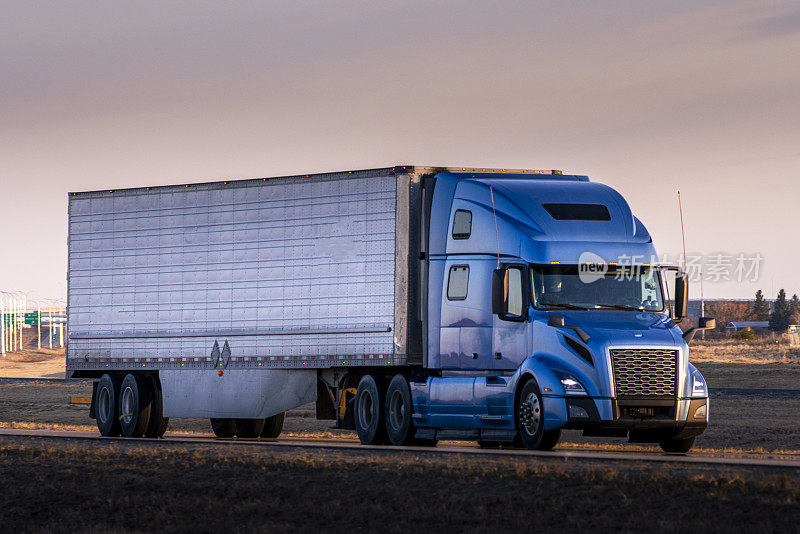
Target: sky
<point x="647" y="97"/>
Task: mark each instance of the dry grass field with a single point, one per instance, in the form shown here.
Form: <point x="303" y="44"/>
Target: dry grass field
<point x="759" y="351"/>
<point x="58" y="486"/>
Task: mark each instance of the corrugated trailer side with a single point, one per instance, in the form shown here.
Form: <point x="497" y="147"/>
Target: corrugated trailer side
<point x="307" y="271"/>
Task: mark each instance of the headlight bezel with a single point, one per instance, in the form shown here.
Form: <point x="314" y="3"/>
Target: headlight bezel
<point x="699" y="386"/>
<point x="571" y="385"/>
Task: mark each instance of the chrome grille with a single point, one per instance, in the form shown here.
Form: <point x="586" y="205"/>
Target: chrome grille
<point x="645" y="372"/>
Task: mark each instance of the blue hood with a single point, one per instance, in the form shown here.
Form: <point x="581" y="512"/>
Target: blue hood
<point x="624" y="327"/>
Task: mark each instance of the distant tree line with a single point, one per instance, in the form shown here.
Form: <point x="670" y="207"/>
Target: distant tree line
<point x="784" y="311"/>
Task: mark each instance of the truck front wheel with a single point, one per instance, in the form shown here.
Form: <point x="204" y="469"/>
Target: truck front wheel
<point x="530" y="420"/>
<point x="369" y="411"/>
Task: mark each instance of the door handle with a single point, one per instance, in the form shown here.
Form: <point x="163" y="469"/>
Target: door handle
<point x="474" y="355"/>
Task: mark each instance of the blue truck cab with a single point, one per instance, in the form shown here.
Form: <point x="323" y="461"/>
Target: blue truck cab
<point x="546" y="311"/>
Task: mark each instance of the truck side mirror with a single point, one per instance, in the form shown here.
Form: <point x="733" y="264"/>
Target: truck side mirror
<point x="556" y="321"/>
<point x="499" y="301"/>
<point x="706" y="323"/>
<point x="681" y="297"/>
<point x="510" y="293"/>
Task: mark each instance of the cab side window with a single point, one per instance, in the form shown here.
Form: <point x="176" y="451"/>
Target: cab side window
<point x="462" y="224"/>
<point x="458" y="282"/>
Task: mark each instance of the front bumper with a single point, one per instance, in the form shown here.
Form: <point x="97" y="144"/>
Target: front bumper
<point x="681" y="418"/>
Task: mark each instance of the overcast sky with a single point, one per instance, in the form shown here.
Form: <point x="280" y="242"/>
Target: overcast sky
<point x="648" y="97"/>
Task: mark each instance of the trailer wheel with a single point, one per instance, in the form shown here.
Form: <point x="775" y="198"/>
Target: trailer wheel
<point x="249" y="428"/>
<point x="676" y="445"/>
<point x="105" y="405"/>
<point x="273" y="426"/>
<point x="158" y="423"/>
<point x="529" y="416"/>
<point x="369" y="411"/>
<point x="223" y="428"/>
<point x="135" y="402"/>
<point x="399" y="408"/>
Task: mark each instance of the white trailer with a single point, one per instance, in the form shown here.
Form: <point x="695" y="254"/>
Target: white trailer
<point x="230" y="299"/>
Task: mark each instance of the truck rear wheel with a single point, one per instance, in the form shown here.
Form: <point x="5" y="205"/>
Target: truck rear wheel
<point x="135" y="401"/>
<point x="676" y="445"/>
<point x="249" y="428"/>
<point x="223" y="428"/>
<point x="105" y="405"/>
<point x="369" y="411"/>
<point x="158" y="423"/>
<point x="273" y="426"/>
<point x="399" y="408"/>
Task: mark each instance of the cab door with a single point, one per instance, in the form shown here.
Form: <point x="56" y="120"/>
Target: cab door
<point x="466" y="326"/>
<point x="510" y="327"/>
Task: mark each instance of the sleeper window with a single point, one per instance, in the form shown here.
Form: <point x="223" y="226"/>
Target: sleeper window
<point x="457" y="282"/>
<point x="462" y="224"/>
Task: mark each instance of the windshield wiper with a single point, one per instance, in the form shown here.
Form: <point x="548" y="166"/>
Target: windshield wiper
<point x="562" y="305"/>
<point x="619" y="307"/>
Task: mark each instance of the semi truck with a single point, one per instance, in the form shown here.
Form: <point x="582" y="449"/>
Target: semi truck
<point x="411" y="304"/>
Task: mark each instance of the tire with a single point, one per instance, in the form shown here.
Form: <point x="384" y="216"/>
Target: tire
<point x="223" y="428"/>
<point x="105" y="405"/>
<point x="158" y="423"/>
<point x="135" y="403"/>
<point x="529" y="416"/>
<point x="249" y="428"/>
<point x="488" y="444"/>
<point x="398" y="410"/>
<point x="677" y="445"/>
<point x="550" y="439"/>
<point x="369" y="413"/>
<point x="273" y="426"/>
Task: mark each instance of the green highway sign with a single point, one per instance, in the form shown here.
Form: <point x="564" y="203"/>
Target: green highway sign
<point x="31" y="318"/>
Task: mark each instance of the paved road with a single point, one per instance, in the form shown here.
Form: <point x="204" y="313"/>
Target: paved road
<point x="738" y="460"/>
<point x="759" y="393"/>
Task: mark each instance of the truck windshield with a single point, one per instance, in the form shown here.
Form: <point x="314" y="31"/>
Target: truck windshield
<point x="612" y="287"/>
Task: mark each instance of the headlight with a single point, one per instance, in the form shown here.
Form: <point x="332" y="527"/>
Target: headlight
<point x="570" y="384"/>
<point x="699" y="388"/>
